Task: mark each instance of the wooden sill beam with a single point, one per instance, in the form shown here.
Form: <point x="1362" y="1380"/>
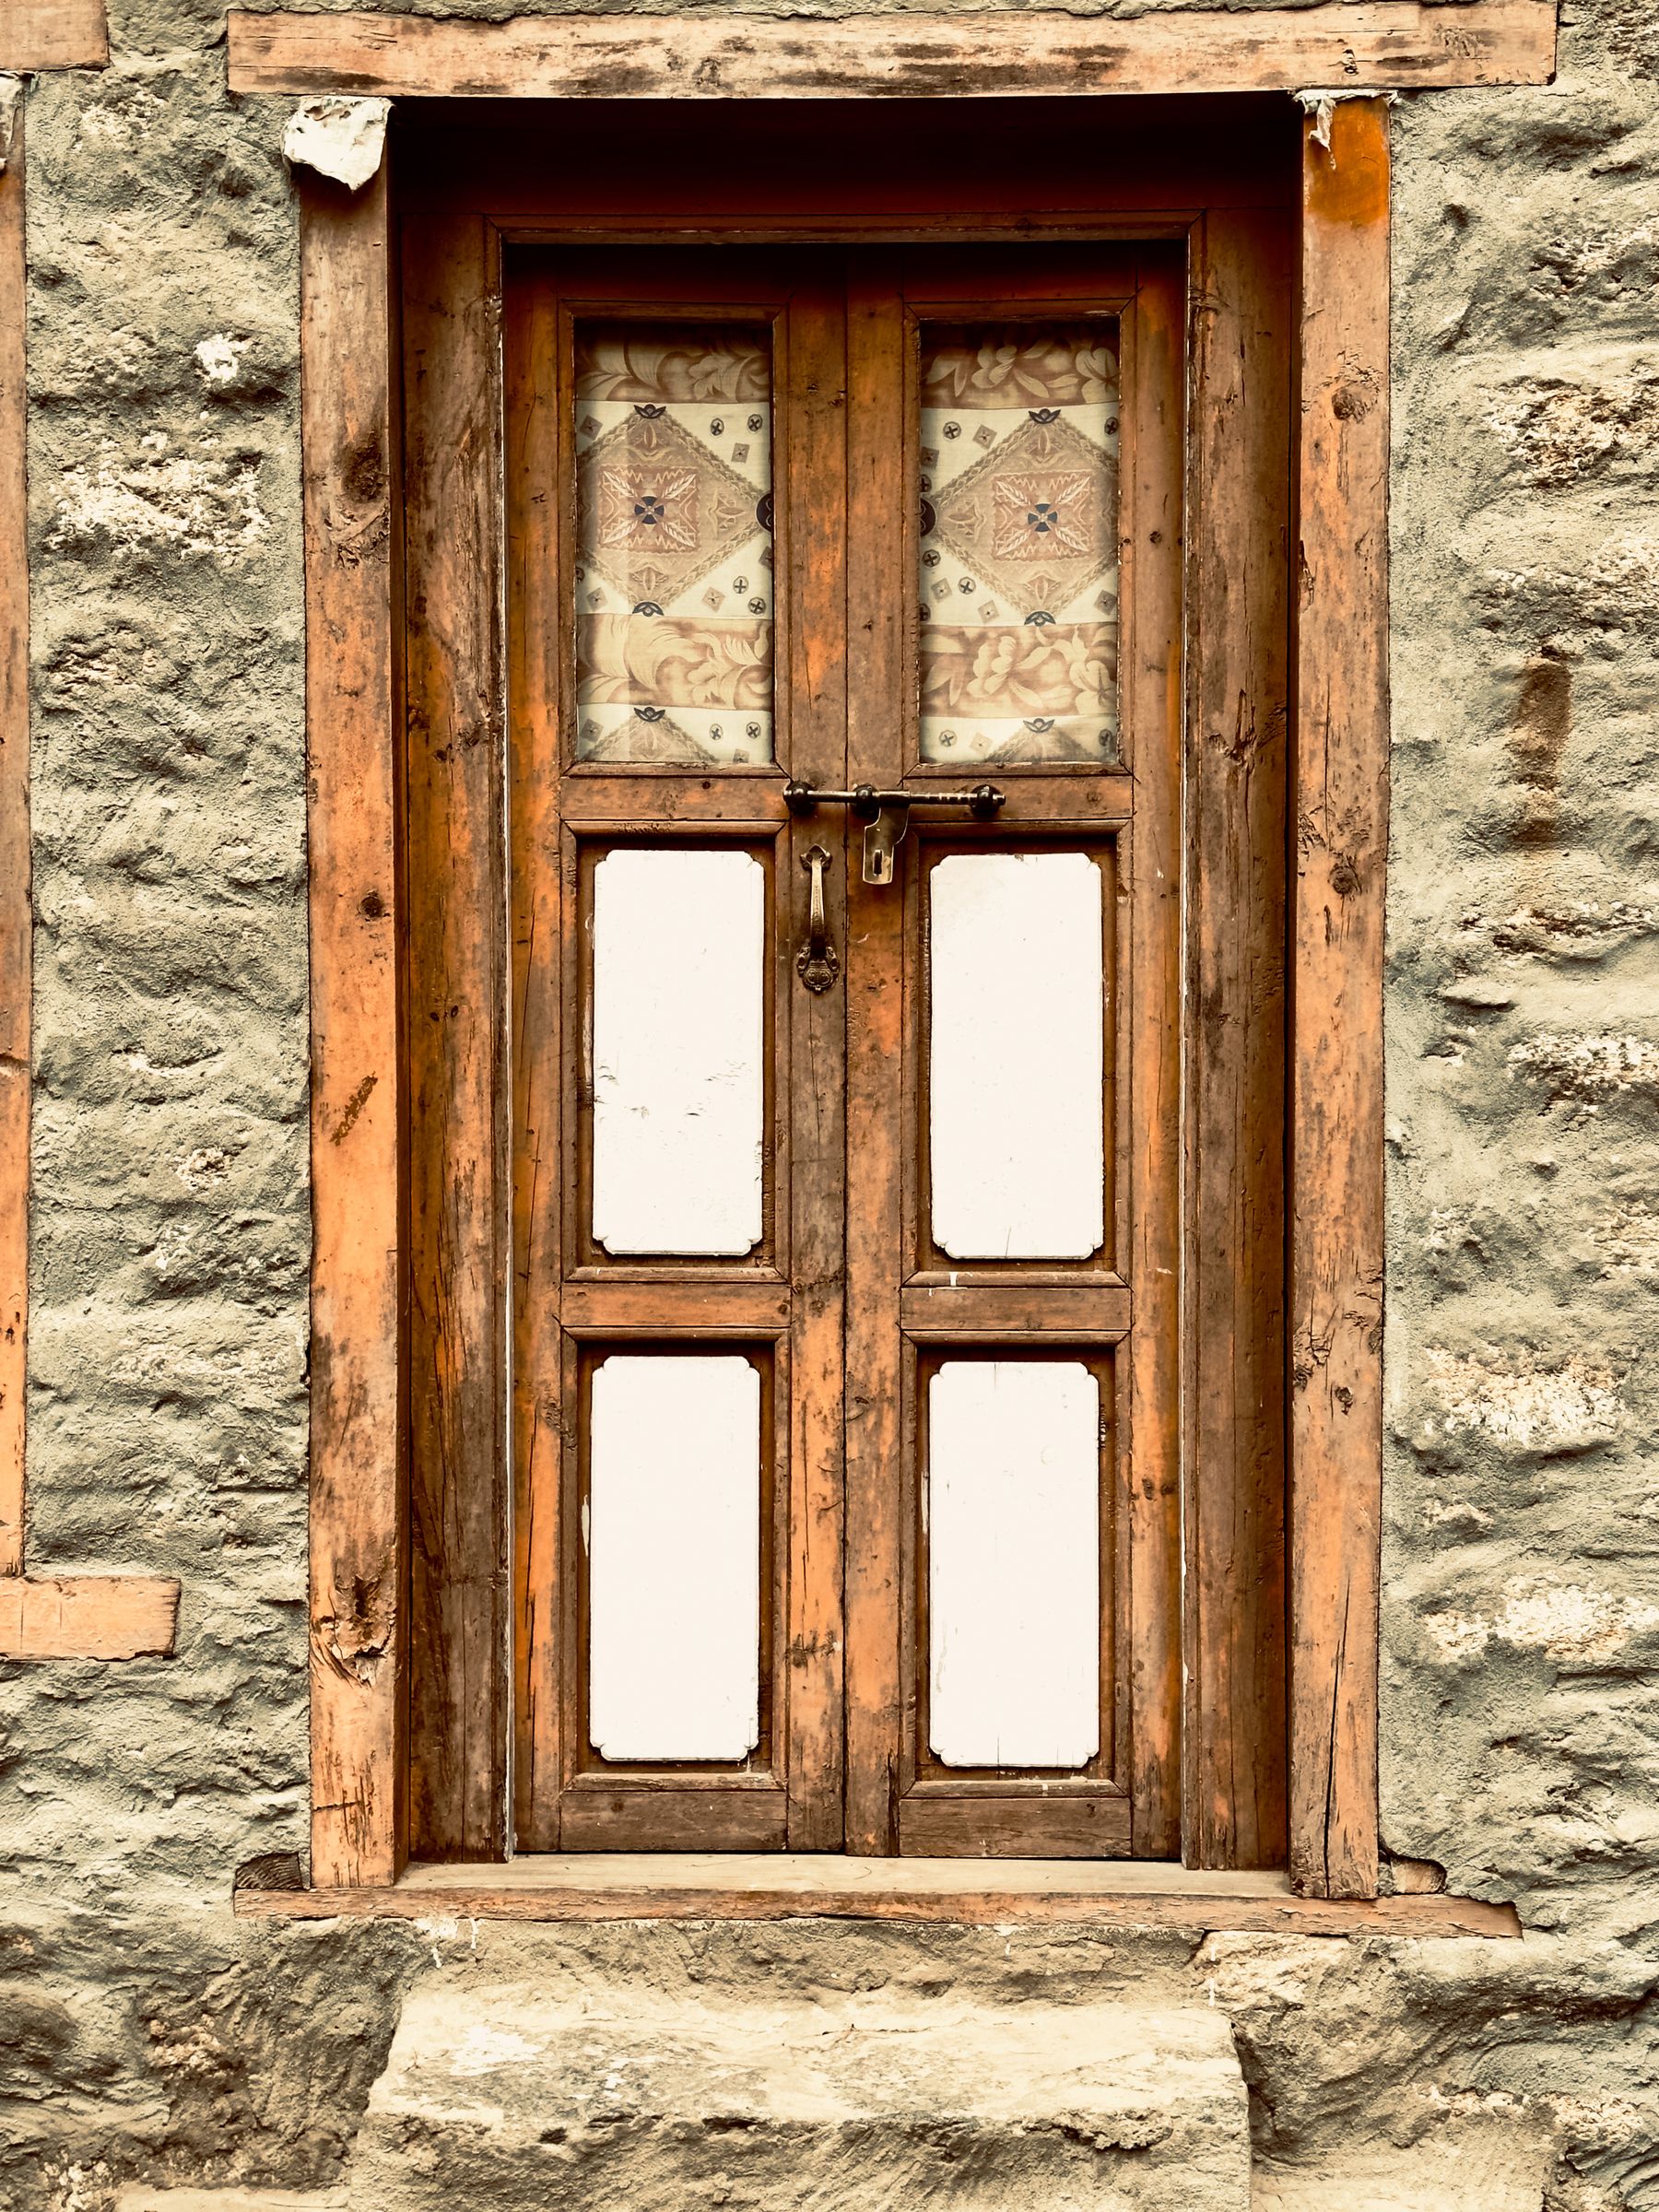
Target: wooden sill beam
<point x="1356" y="44"/>
<point x="88" y="1617"/>
<point x="52" y="34"/>
<point x="1120" y="1893"/>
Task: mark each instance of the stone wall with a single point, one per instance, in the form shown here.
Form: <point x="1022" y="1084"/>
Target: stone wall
<point x="141" y="2030"/>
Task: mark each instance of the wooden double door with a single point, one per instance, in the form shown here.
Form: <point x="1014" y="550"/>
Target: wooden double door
<point x="840" y="1072"/>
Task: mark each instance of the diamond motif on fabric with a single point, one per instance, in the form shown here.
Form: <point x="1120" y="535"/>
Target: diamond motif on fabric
<point x="1034" y="517"/>
<point x="660" y="510"/>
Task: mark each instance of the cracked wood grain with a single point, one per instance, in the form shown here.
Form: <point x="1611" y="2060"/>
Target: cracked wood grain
<point x="358" y="1633"/>
<point x="1352" y="43"/>
<point x="1341" y="802"/>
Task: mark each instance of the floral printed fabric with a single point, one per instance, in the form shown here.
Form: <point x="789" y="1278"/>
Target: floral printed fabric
<point x="673" y="576"/>
<point x="1019" y="570"/>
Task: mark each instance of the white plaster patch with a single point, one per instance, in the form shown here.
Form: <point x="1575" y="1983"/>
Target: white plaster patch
<point x="339" y="138"/>
<point x="1569" y="1622"/>
<point x="119" y="125"/>
<point x="218" y="357"/>
<point x="1528" y="1408"/>
<point x="483" y="2049"/>
<point x="11" y="103"/>
<point x="186" y="503"/>
<point x="1590" y="1067"/>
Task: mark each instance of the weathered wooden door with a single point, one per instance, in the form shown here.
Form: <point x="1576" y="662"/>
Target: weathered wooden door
<point x="844" y="606"/>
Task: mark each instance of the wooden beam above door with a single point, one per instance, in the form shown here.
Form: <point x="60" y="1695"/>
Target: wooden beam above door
<point x="1359" y="45"/>
<point x="53" y="35"/>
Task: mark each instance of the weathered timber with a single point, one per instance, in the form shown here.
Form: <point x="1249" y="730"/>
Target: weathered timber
<point x="88" y="1617"/>
<point x="53" y="35"/>
<point x="790" y="1886"/>
<point x="1340" y="802"/>
<point x="358" y="1630"/>
<point x="1358" y="44"/>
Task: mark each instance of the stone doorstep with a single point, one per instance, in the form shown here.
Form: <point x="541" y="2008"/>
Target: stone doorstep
<point x="504" y="2101"/>
<point x="138" y="2196"/>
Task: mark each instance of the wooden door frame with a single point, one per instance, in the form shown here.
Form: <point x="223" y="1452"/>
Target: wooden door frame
<point x="1339" y="737"/>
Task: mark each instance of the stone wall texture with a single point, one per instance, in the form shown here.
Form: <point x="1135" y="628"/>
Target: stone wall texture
<point x="142" y="2031"/>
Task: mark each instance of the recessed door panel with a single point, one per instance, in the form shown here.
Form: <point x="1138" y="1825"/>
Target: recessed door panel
<point x="672" y="1537"/>
<point x="678" y="1042"/>
<point x="1012" y="1519"/>
<point x="1016" y="1055"/>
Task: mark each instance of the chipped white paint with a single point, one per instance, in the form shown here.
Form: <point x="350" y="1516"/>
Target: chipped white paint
<point x="1012" y="1544"/>
<point x="339" y="138"/>
<point x="678" y="1038"/>
<point x="160" y="499"/>
<point x="1526" y="1408"/>
<point x="674" y="1567"/>
<point x="11" y="106"/>
<point x="1017" y="1129"/>
<point x="1569" y="1623"/>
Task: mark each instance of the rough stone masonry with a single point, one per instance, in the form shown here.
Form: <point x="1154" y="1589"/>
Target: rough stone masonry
<point x="143" y="2032"/>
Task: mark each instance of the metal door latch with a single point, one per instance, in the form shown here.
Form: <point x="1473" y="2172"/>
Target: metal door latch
<point x="885" y="815"/>
<point x="816" y="962"/>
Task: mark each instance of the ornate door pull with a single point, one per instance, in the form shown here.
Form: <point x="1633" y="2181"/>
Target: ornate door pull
<point x="816" y="960"/>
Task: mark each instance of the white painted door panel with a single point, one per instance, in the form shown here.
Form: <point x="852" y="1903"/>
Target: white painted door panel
<point x="679" y="1044"/>
<point x="1017" y="1045"/>
<point x="674" y="1557"/>
<point x="1013" y="1504"/>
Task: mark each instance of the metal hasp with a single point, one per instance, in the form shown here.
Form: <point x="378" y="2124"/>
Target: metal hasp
<point x="816" y="962"/>
<point x="885" y="815"/>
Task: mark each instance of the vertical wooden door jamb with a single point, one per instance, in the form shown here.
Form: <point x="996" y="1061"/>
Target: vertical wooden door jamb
<point x="359" y="1633"/>
<point x="1340" y="802"/>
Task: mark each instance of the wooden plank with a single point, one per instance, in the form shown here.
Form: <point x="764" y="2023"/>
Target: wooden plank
<point x="53" y="35"/>
<point x="88" y="1617"/>
<point x="16" y="912"/>
<point x="878" y="594"/>
<point x="667" y="1885"/>
<point x="456" y="1030"/>
<point x="1235" y="1388"/>
<point x="940" y="1823"/>
<point x="1341" y="812"/>
<point x="358" y="1636"/>
<point x="538" y="1422"/>
<point x="813" y="552"/>
<point x="1153" y="685"/>
<point x="982" y="1313"/>
<point x="1355" y="43"/>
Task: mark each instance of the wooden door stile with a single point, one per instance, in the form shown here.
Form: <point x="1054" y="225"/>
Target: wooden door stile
<point x="1234" y="1370"/>
<point x="878" y="597"/>
<point x="815" y="675"/>
<point x="1151" y="597"/>
<point x="456" y="1028"/>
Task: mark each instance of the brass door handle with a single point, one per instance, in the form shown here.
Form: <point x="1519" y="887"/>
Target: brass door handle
<point x="816" y="962"/>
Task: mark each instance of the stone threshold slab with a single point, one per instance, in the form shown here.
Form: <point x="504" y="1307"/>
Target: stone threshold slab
<point x="787" y="1886"/>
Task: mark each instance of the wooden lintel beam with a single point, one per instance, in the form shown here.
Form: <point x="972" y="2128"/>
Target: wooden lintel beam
<point x="88" y="1617"/>
<point x="52" y="34"/>
<point x="1354" y="44"/>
